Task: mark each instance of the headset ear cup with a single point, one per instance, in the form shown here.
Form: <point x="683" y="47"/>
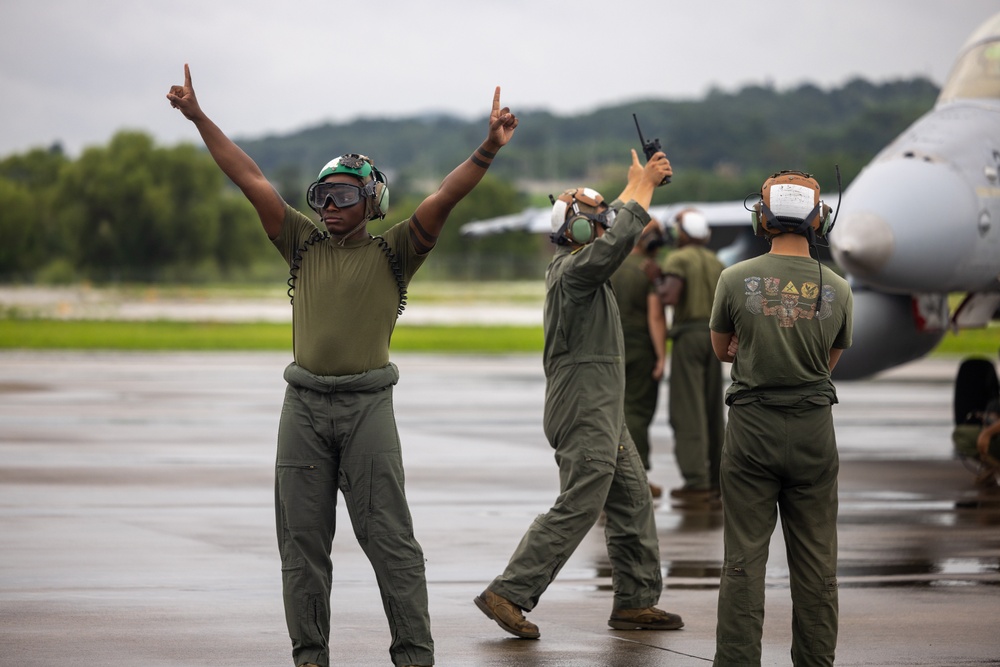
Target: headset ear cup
<point x="755" y="220"/>
<point x="381" y="199"/>
<point x="826" y="220"/>
<point x="581" y="230"/>
<point x="558" y="220"/>
<point x="381" y="192"/>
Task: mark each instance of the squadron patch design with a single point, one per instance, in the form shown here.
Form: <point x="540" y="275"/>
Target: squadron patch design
<point x="828" y="296"/>
<point x="755" y="300"/>
<point x="787" y="301"/>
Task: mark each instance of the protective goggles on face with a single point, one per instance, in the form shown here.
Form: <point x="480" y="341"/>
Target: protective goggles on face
<point x="344" y="195"/>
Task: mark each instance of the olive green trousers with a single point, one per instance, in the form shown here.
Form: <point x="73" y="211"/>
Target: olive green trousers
<point x="779" y="461"/>
<point x="599" y="470"/>
<point x="339" y="433"/>
<point x="695" y="405"/>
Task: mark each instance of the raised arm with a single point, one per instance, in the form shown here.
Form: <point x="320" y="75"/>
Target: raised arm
<point x="234" y="163"/>
<point x="429" y="218"/>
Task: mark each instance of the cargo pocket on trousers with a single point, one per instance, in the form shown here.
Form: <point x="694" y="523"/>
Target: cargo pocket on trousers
<point x="303" y="493"/>
<point x="629" y="471"/>
<point x="738" y="585"/>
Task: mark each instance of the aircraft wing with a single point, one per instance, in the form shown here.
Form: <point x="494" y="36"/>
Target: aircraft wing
<point x="532" y="220"/>
<point x="718" y="213"/>
<point x="538" y="220"/>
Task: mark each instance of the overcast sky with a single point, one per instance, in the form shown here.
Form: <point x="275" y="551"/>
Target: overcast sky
<point x="77" y="71"/>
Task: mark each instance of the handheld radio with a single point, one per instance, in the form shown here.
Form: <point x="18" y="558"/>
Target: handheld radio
<point x="650" y="148"/>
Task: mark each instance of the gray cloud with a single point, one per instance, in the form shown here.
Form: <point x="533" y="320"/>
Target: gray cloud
<point x="77" y="72"/>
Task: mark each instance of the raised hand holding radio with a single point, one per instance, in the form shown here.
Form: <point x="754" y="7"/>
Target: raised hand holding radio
<point x="650" y="148"/>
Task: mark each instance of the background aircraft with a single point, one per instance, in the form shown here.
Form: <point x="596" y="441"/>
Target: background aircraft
<point x="920" y="222"/>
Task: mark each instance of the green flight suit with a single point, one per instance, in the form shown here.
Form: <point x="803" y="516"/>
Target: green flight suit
<point x="695" y="402"/>
<point x="584" y="422"/>
<point x="338" y="432"/>
<point x="632" y="289"/>
<point x="780" y="454"/>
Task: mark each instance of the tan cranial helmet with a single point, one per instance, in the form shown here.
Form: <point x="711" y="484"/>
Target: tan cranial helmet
<point x="789" y="202"/>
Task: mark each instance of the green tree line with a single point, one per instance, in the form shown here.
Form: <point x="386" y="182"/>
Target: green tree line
<point x="137" y="212"/>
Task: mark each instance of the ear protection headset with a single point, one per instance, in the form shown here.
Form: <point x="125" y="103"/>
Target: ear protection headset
<point x="376" y="186"/>
<point x="789" y="202"/>
<point x="376" y="192"/>
<point x="570" y="224"/>
<point x="579" y="228"/>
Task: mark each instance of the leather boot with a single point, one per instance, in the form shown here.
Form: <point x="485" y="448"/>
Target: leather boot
<point x="507" y="615"/>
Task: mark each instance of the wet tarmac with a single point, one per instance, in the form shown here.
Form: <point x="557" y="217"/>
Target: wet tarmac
<point x="136" y="522"/>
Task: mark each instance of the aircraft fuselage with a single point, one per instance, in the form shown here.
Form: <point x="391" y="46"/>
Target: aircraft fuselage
<point x="924" y="216"/>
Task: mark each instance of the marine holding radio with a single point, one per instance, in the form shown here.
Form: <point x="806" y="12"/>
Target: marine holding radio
<point x="780" y="451"/>
<point x="584" y="420"/>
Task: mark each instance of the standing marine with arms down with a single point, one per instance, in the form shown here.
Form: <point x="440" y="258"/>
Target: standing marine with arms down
<point x="337" y="429"/>
<point x="695" y="406"/>
<point x="783" y="322"/>
<point x="584" y="419"/>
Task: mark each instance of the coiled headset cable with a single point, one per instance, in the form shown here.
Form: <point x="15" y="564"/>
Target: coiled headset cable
<point x="317" y="236"/>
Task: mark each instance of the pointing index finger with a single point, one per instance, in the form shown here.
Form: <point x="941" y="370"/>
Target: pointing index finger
<point x="187" y="76"/>
<point x="496" y="101"/>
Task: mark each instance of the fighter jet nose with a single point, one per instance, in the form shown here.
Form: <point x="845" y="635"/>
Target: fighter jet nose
<point x="862" y="243"/>
<point x="899" y="228"/>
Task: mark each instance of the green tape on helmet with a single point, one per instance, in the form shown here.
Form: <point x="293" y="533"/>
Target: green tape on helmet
<point x="352" y="163"/>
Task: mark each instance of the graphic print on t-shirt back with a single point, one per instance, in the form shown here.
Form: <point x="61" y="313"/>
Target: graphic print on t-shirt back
<point x="785" y="300"/>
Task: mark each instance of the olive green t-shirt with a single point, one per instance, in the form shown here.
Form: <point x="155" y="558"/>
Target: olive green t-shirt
<point x="700" y="269"/>
<point x="769" y="302"/>
<point x="346" y="297"/>
<point x="632" y="289"/>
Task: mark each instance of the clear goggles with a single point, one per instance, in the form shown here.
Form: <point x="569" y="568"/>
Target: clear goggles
<point x="344" y="195"/>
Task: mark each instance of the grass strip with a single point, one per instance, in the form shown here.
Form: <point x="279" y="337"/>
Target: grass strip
<point x="43" y="334"/>
<point x="50" y="334"/>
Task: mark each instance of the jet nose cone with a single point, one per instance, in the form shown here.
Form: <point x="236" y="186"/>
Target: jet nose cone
<point x="901" y="225"/>
<point x="862" y="243"/>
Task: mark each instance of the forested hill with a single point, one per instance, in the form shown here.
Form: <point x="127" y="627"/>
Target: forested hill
<point x="135" y="211"/>
<point x="756" y="129"/>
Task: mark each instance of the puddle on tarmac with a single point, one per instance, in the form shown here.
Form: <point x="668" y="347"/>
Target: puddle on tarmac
<point x="693" y="575"/>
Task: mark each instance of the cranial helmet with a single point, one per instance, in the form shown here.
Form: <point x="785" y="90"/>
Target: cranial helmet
<point x="693" y="223"/>
<point x="375" y="185"/>
<point x="789" y="202"/>
<point x="576" y="214"/>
